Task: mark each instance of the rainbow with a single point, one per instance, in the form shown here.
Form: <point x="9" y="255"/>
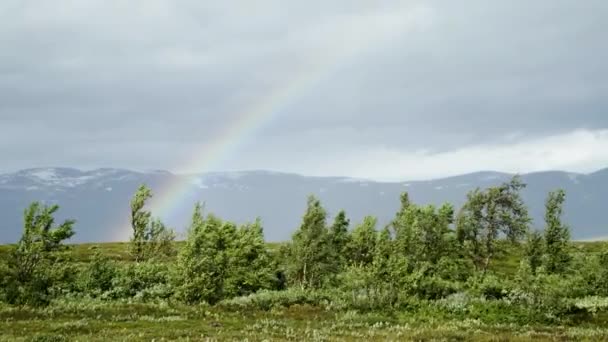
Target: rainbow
<point x="251" y="120"/>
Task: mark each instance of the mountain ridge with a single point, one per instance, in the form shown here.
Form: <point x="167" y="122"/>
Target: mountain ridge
<point x="99" y="198"/>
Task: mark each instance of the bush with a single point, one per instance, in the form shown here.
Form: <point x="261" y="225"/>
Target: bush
<point x="457" y="303"/>
<point x="35" y="264"/>
<point x="434" y="287"/>
<point x="64" y="277"/>
<point x="489" y="286"/>
<point x="4" y="278"/>
<point x="98" y="275"/>
<point x="34" y="291"/>
<point x="455" y="269"/>
<point x="544" y="295"/>
<point x="143" y="281"/>
<point x="266" y="300"/>
<point x="593" y="305"/>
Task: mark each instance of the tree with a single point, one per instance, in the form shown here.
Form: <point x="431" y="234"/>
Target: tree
<point x="202" y="261"/>
<point x="30" y="264"/>
<point x="423" y="233"/>
<point x="388" y="267"/>
<point x="340" y="237"/>
<point x="250" y="264"/>
<point x="557" y="234"/>
<point x="534" y="250"/>
<point x="150" y="236"/>
<point x="140" y="220"/>
<point x="402" y="225"/>
<point x="311" y="261"/>
<point x="431" y="233"/>
<point x="405" y="204"/>
<point x="219" y="260"/>
<point x="159" y="240"/>
<point x="488" y="215"/>
<point x="362" y="245"/>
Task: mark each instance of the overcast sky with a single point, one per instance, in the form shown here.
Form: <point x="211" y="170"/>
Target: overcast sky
<point x="401" y="90"/>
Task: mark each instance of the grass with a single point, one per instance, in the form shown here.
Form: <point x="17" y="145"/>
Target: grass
<point x="91" y="321"/>
<point x="119" y="251"/>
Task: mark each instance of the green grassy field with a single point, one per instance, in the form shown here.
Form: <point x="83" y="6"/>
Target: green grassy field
<point x="85" y="321"/>
<point x="118" y="251"/>
<point x="96" y="320"/>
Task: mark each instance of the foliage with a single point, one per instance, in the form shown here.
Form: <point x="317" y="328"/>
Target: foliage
<point x="362" y="245"/>
<point x="150" y="237"/>
<point x="98" y="275"/>
<point x="425" y="267"/>
<point x="423" y="233"/>
<point x="220" y="261"/>
<point x="266" y="300"/>
<point x="143" y="281"/>
<point x="251" y="266"/>
<point x="340" y="237"/>
<point x="534" y="250"/>
<point x="490" y="286"/>
<point x="486" y="216"/>
<point x="557" y="235"/>
<point x="311" y="262"/>
<point x="30" y="272"/>
<point x="202" y="261"/>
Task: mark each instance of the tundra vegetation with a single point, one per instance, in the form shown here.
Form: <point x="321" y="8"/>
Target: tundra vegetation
<point x="434" y="273"/>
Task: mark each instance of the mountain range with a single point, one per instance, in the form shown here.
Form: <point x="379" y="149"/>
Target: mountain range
<point x="99" y="199"/>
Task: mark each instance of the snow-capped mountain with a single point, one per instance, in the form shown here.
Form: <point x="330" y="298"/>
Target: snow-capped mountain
<point x="99" y="199"/>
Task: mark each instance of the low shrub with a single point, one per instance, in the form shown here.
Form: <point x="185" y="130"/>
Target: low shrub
<point x="142" y="281"/>
<point x="266" y="300"/>
<point x="98" y="275"/>
<point x="489" y="286"/>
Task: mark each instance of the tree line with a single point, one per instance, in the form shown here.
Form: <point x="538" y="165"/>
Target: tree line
<point x="426" y="252"/>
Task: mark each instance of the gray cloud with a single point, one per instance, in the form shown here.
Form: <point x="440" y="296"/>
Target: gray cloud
<point x="149" y="84"/>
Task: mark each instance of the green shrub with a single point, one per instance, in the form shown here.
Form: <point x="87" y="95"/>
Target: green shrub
<point x="143" y="281"/>
<point x="266" y="300"/>
<point x="98" y="275"/>
<point x="35" y="264"/>
<point x="434" y="287"/>
<point x="489" y="286"/>
<point x="544" y="295"/>
<point x="36" y="291"/>
<point x="593" y="305"/>
<point x="64" y="275"/>
<point x="4" y="280"/>
<point x="457" y="303"/>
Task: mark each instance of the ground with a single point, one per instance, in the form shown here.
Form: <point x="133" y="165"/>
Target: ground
<point x="81" y="320"/>
<point x="149" y="322"/>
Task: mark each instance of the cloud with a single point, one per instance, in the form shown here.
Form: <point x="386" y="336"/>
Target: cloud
<point x="578" y="151"/>
<point x="150" y="84"/>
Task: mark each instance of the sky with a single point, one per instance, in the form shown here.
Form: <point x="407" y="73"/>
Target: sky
<point x="390" y="90"/>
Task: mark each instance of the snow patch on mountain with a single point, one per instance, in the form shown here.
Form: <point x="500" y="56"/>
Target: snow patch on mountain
<point x="49" y="175"/>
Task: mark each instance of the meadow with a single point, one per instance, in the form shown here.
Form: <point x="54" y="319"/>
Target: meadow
<point x="78" y="319"/>
<point x="433" y="274"/>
